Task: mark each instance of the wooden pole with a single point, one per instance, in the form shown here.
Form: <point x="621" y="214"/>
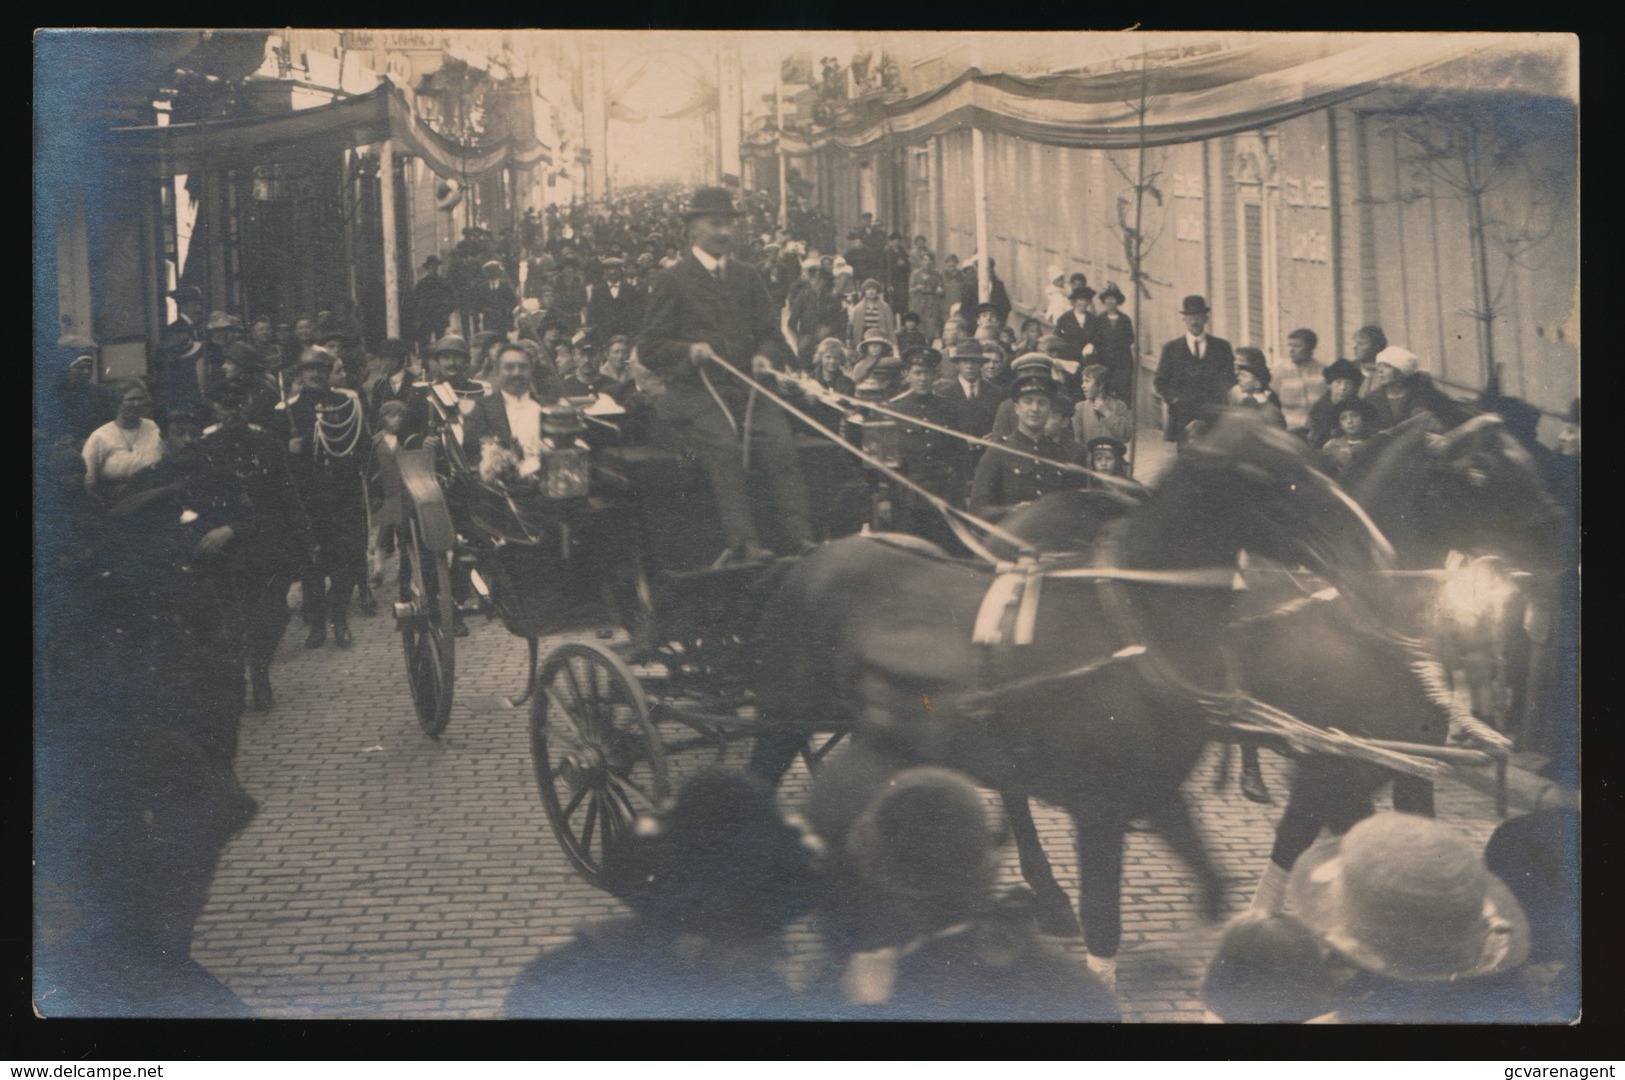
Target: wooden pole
<point x="386" y="207"/>
<point x="978" y="157"/>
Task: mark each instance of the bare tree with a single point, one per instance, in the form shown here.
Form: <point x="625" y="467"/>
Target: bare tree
<point x="1505" y="159"/>
<point x="1142" y="182"/>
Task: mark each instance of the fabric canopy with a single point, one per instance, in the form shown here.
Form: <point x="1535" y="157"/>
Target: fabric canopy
<point x="1240" y="89"/>
<point x="362" y="120"/>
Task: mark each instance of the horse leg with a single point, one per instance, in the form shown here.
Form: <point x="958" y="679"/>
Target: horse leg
<point x="1323" y="794"/>
<point x="1252" y="776"/>
<point x="1100" y="874"/>
<point x="1054" y="909"/>
<point x="1173" y="822"/>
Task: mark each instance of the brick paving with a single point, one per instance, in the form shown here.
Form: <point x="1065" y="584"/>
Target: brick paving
<point x="390" y="875"/>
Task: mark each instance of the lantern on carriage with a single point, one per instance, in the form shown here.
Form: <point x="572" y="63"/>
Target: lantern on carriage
<point x="566" y="464"/>
<point x="877" y="435"/>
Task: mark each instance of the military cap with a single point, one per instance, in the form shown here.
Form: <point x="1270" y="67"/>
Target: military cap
<point x="1034" y="384"/>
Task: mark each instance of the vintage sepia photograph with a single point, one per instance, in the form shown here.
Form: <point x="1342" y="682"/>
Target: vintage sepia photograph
<point x="872" y="525"/>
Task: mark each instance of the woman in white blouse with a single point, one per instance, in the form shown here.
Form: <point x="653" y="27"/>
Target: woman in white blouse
<point x="128" y="444"/>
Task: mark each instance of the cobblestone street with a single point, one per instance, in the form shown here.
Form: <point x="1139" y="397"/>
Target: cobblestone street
<point x="389" y="875"/>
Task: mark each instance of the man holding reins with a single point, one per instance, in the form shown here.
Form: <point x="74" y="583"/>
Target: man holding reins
<point x="710" y="311"/>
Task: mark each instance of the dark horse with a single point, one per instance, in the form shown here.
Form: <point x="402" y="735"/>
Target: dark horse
<point x="1093" y="716"/>
<point x="1474" y="489"/>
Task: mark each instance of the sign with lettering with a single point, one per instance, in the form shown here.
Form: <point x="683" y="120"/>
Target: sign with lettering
<point x="1310" y="245"/>
<point x="1189" y="227"/>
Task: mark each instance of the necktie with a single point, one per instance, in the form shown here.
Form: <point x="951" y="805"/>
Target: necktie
<point x="1198" y="350"/>
<point x="717" y="273"/>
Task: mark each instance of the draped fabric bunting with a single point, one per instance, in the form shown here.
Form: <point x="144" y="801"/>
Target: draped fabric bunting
<point x="1240" y="89"/>
<point x="358" y="121"/>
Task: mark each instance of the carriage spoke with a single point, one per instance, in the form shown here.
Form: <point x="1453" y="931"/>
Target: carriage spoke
<point x="575" y="800"/>
<point x="588" y="826"/>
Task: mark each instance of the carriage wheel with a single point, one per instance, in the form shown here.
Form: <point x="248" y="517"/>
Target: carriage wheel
<point x="599" y="760"/>
<point x="424" y="617"/>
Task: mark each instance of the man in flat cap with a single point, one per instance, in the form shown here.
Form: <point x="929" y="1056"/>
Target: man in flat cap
<point x="709" y="311"/>
<point x="613" y="307"/>
<point x="1196" y="369"/>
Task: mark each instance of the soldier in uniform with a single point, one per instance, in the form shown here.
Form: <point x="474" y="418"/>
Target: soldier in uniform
<point x="936" y="461"/>
<point x="1003" y="480"/>
<point x="271" y="539"/>
<point x="327" y="450"/>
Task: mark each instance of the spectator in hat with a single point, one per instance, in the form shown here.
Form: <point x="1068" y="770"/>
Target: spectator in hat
<point x="1401" y="390"/>
<point x="988" y="326"/>
<point x="1056" y="300"/>
<point x="909" y="335"/>
<point x="495" y="299"/>
<point x="859" y="256"/>
<point x="1252" y="388"/>
<point x="874" y="347"/>
<point x="712" y="882"/>
<point x="1299" y="382"/>
<point x="614" y="307"/>
<point x="1099" y="413"/>
<point x="433" y="304"/>
<point x="809" y="277"/>
<point x="78" y="409"/>
<point x="570" y="288"/>
<point x="1537" y="856"/>
<point x="1195" y="370"/>
<point x="926" y="295"/>
<point x="245" y="365"/>
<point x="1113" y="337"/>
<point x="1076" y="327"/>
<point x="262" y="336"/>
<point x="1341" y="452"/>
<point x="1343" y="379"/>
<point x="1431" y="933"/>
<point x="975" y="402"/>
<point x="1005" y="480"/>
<point x="929" y="938"/>
<point x="871" y="313"/>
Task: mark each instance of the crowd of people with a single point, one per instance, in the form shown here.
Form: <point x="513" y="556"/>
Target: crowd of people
<point x="182" y="517"/>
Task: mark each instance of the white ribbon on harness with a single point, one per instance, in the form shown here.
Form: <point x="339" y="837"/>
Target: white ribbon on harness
<point x="1009" y="608"/>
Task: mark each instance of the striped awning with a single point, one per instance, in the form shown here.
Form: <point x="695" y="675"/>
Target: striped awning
<point x="363" y="120"/>
<point x="1203" y="97"/>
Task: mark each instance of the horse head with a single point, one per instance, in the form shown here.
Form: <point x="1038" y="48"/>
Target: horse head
<point x="1247" y="485"/>
<point x="1474" y="488"/>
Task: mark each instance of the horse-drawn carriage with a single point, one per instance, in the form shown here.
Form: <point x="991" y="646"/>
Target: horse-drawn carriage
<point x="621" y="536"/>
<point x="1097" y="699"/>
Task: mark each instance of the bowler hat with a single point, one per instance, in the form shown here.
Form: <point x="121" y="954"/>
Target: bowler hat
<point x="1034" y="384"/>
<point x="187" y="294"/>
<point x="1082" y="292"/>
<point x="1343" y="369"/>
<point x="1194" y="305"/>
<point x="1106" y="442"/>
<point x="1408" y="898"/>
<point x="613" y="263"/>
<point x="432" y="260"/>
<point x="712" y="202"/>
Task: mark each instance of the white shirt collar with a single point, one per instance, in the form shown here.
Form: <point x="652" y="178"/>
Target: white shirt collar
<point x="706" y="259"/>
<point x="966" y="385"/>
<point x="1191" y="341"/>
